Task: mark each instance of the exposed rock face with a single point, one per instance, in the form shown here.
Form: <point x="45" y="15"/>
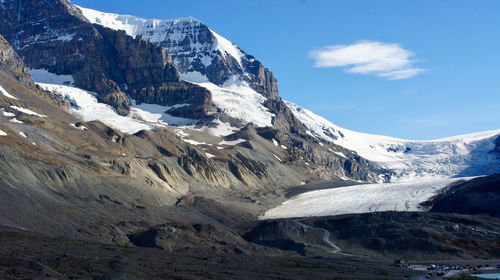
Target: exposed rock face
<point x="260" y="78"/>
<point x="181" y="238"/>
<point x="480" y="196"/>
<point x="54" y="35"/>
<point x="11" y="63"/>
<point x="12" y="68"/>
<point x="284" y="120"/>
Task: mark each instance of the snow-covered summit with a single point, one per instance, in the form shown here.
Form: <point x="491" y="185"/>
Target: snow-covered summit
<point x="464" y="155"/>
<point x="187" y="40"/>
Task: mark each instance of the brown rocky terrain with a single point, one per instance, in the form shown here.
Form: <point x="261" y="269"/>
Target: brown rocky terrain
<point x="408" y="235"/>
<point x="25" y="255"/>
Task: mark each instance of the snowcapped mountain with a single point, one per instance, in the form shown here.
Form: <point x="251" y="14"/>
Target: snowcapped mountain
<point x="197" y="76"/>
<point x="465" y="155"/>
<point x="194" y="48"/>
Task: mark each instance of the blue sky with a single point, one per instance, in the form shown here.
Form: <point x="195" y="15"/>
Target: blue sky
<point x="451" y="47"/>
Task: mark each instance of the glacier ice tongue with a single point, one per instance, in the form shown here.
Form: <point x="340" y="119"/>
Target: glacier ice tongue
<point x="405" y="196"/>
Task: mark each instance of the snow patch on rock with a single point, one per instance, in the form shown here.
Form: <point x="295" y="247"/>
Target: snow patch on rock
<point x="6" y="94"/>
<point x="80" y="127"/>
<point x="154" y="113"/>
<point x="209" y="155"/>
<point x="219" y="129"/>
<point x="193" y="142"/>
<point x="14" y="120"/>
<point x="275" y="142"/>
<point x="233" y="142"/>
<point x="8" y="114"/>
<point x="27" y="111"/>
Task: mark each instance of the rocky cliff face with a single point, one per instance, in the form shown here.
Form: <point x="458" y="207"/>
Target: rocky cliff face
<point x="54" y="35"/>
<point x="11" y="63"/>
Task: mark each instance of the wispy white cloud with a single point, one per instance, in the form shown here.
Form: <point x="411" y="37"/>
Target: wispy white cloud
<point x="388" y="61"/>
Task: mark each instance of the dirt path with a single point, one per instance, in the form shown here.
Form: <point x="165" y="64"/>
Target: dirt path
<point x="326" y="238"/>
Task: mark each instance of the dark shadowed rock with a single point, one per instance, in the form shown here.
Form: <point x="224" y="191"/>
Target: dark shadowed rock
<point x="284" y="120"/>
<point x="480" y="196"/>
<point x="392" y="234"/>
<point x="176" y="237"/>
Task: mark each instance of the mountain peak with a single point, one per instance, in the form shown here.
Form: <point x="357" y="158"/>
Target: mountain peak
<point x="134" y="25"/>
<point x="194" y="48"/>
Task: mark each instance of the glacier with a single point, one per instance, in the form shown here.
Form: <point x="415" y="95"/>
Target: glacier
<point x="357" y="199"/>
<point x="409" y="160"/>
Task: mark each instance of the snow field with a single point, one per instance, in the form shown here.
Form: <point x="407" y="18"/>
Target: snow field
<point x="89" y="109"/>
